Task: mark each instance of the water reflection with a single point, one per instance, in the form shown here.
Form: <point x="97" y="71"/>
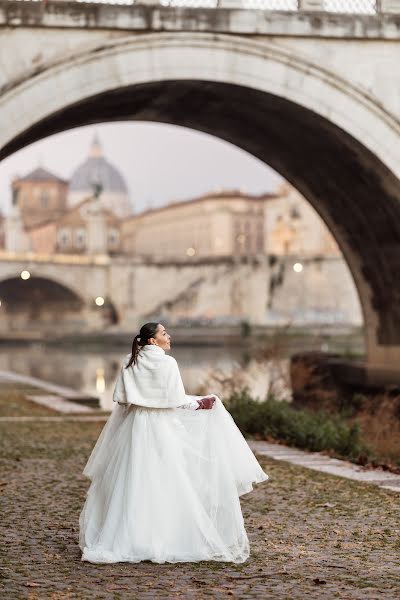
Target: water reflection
<point x="100" y="381"/>
<point x="94" y="370"/>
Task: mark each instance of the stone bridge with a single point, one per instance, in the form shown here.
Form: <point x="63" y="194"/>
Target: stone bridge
<point x="61" y="291"/>
<point x="314" y="94"/>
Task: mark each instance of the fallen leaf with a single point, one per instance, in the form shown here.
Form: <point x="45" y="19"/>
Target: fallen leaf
<point x="117" y="587"/>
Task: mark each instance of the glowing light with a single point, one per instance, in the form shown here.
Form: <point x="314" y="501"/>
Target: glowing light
<point x="190" y="251"/>
<point x="99" y="300"/>
<point x="100" y="380"/>
<point x="25" y="274"/>
<point x="298" y="267"/>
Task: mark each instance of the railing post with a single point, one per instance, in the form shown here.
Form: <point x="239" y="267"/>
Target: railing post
<point x="236" y="4"/>
<point x="309" y="5"/>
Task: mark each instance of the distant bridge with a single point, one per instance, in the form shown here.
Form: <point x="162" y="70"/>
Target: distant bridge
<point x="61" y="291"/>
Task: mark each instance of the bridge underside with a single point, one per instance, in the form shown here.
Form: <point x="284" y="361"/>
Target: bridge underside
<point x="355" y="194"/>
<point x="38" y="303"/>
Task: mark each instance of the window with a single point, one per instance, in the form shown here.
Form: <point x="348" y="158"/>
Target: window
<point x="64" y="237"/>
<point x="113" y="237"/>
<point x="80" y="237"/>
<point x="295" y="213"/>
<point x="44" y="198"/>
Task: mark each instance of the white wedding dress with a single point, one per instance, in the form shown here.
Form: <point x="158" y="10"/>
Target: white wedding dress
<point x="165" y="482"/>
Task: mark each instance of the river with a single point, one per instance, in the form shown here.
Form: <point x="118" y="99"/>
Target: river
<point x="93" y="369"/>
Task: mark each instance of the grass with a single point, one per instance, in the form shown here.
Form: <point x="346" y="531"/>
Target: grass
<point x="13" y="403"/>
<point x="277" y="420"/>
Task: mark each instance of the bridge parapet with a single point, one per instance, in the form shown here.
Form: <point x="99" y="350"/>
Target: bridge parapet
<point x="64" y="259"/>
<point x="367" y="7"/>
<point x="341" y="19"/>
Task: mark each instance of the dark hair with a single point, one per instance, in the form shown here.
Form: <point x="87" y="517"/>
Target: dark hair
<point x="147" y="331"/>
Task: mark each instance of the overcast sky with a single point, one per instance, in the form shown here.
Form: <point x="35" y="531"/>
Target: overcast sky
<point x="160" y="162"/>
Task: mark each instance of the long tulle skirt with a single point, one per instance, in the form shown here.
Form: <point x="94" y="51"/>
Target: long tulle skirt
<point x="165" y="487"/>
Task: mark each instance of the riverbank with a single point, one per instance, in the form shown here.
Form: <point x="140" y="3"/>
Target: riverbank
<point x="19" y="403"/>
<point x="350" y="338"/>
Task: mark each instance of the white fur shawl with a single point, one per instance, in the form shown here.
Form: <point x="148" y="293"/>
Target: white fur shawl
<point x="154" y="381"/>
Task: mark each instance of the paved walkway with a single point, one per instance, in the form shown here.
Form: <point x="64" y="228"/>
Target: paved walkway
<point x="59" y="404"/>
<point x="64" y="392"/>
<point x="313" y="536"/>
<point x="320" y="462"/>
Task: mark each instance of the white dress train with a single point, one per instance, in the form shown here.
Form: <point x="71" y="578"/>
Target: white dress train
<point x="166" y="482"/>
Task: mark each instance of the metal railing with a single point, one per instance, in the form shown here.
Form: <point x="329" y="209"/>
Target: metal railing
<point x="361" y="7"/>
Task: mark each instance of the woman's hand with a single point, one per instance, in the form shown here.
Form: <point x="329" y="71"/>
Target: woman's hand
<point x="206" y="403"/>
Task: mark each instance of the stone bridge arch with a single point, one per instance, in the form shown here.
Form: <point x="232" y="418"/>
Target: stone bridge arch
<point x="12" y="273"/>
<point x="56" y="292"/>
<point x="37" y="302"/>
<point x="333" y="140"/>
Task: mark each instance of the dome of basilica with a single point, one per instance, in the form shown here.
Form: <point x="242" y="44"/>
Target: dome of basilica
<point x="97" y="175"/>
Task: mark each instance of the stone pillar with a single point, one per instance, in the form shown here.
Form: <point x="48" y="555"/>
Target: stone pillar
<point x="383" y="364"/>
<point x="96" y="229"/>
<point x="388" y="6"/>
<point x="260" y="289"/>
<point x="15" y="237"/>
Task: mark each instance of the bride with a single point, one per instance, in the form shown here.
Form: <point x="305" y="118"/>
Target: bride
<point x="167" y="470"/>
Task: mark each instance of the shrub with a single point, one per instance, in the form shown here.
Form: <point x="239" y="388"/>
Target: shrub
<point x="279" y="420"/>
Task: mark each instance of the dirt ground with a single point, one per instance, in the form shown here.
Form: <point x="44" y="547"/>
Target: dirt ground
<point x="312" y="535"/>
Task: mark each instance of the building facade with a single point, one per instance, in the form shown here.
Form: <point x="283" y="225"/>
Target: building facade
<point x="213" y="225"/>
<point x="88" y="228"/>
<point x="294" y="228"/>
<point x="40" y="196"/>
<point x="81" y="216"/>
<point x="310" y="282"/>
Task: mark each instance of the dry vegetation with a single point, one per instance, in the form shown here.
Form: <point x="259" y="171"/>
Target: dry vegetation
<point x="375" y="416"/>
<point x="379" y="418"/>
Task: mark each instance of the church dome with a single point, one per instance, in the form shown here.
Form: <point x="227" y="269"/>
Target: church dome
<point x="96" y="175"/>
<point x="97" y="170"/>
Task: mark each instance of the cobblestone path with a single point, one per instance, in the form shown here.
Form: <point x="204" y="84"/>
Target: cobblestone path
<point x="312" y="535"/>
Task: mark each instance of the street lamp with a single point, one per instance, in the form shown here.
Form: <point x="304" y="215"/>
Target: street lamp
<point x="297" y="267"/>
